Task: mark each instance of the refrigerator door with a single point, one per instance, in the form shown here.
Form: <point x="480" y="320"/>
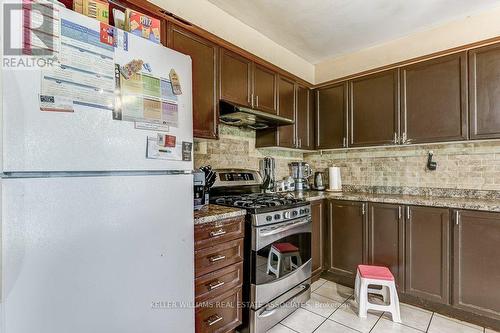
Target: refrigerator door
<point x="88" y="139"/>
<point x="97" y="254"/>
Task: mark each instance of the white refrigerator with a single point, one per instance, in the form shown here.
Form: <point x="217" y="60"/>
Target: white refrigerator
<point x="96" y="228"/>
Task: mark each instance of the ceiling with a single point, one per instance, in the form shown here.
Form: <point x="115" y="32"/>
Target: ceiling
<point x="320" y="29"/>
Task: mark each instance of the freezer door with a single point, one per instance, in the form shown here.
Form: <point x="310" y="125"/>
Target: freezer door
<point x="88" y="139"/>
<point x="104" y="254"/>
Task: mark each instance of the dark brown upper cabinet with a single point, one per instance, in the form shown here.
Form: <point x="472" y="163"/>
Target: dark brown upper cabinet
<point x="476" y="254"/>
<point x="434" y="100"/>
<point x="204" y="55"/>
<point x="347" y="238"/>
<point x="305" y="118"/>
<point x="264" y="89"/>
<point x="294" y="102"/>
<point x="331" y="117"/>
<point x="374" y="109"/>
<point x="428" y="250"/>
<point x="386" y="239"/>
<point x="235" y="78"/>
<point x="286" y="108"/>
<point x="484" y="92"/>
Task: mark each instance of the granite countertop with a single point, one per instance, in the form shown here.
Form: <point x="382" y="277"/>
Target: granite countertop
<point x="432" y="201"/>
<point x="211" y="213"/>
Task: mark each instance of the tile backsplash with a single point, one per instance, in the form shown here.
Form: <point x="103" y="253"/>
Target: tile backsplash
<point x="461" y="166"/>
<point x="236" y="149"/>
<point x="470" y="165"/>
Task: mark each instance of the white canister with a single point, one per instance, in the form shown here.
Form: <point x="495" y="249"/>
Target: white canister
<point x="334" y="179"/>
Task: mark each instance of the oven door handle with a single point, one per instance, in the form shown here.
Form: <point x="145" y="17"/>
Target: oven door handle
<point x="273" y="308"/>
<point x="284" y="228"/>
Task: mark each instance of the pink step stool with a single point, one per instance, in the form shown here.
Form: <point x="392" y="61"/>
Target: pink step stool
<point x="376" y="276"/>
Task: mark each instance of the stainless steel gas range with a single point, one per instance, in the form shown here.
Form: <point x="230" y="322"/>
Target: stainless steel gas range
<point x="277" y="262"/>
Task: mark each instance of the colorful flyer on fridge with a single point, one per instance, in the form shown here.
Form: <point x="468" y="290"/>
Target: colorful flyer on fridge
<point x="145" y="98"/>
<point x="85" y="74"/>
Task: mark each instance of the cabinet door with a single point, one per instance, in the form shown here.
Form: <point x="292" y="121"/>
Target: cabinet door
<point x="286" y="108"/>
<point x="434" y="100"/>
<point x="386" y="239"/>
<point x="264" y="83"/>
<point x="428" y="253"/>
<point x="235" y="78"/>
<point x="484" y="92"/>
<point x="347" y="236"/>
<point x="317" y="240"/>
<point x="374" y="109"/>
<point x="476" y="255"/>
<point x="204" y="62"/>
<point x="305" y="119"/>
<point x="331" y="116"/>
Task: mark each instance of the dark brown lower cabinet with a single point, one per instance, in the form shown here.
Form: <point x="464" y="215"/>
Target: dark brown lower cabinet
<point x="428" y="253"/>
<point x="317" y="239"/>
<point x="386" y="239"/>
<point x="347" y="236"/>
<point x="476" y="262"/>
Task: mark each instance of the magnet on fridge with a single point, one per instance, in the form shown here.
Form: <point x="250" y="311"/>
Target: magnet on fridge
<point x="147" y="67"/>
<point x="165" y="140"/>
<point x="176" y="84"/>
<point x="131" y="68"/>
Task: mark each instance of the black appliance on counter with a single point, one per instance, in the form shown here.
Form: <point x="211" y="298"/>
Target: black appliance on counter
<point x="277" y="225"/>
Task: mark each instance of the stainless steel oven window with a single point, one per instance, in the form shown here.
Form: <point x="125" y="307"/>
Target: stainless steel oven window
<point x="279" y="250"/>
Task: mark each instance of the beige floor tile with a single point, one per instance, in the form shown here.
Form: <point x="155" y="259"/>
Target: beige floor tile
<point x="321" y="305"/>
<point x="334" y="291"/>
<point x="347" y="314"/>
<point x="387" y="326"/>
<point x="412" y="316"/>
<point x="303" y="321"/>
<point x="330" y="326"/>
<point x="442" y="324"/>
<point x="280" y="329"/>
<point x="316" y="284"/>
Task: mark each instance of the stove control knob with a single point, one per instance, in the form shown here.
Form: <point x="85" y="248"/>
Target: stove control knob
<point x="286" y="215"/>
<point x="269" y="218"/>
<point x="302" y="211"/>
<point x="277" y="216"/>
<point x="295" y="213"/>
<point x="306" y="210"/>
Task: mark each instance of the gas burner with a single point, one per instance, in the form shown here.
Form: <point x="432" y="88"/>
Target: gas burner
<point x="259" y="200"/>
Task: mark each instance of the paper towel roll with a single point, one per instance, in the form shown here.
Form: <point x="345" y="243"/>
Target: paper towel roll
<point x="334" y="180"/>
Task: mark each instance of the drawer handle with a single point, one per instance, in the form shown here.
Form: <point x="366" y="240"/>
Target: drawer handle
<point x="219" y="232"/>
<point x="215" y="285"/>
<point x="217" y="258"/>
<point x="212" y="320"/>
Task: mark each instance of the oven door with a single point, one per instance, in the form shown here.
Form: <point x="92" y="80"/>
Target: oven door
<point x="280" y="259"/>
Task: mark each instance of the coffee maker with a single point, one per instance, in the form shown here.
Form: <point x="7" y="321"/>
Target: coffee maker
<point x="300" y="171"/>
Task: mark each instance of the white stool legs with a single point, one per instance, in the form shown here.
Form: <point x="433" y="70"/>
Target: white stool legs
<point x="388" y="292"/>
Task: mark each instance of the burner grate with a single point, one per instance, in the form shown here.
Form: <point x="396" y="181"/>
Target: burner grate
<point x="258" y="200"/>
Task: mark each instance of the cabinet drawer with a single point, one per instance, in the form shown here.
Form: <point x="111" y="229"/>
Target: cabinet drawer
<point x="211" y="285"/>
<point x="216" y="257"/>
<point x="221" y="314"/>
<point x="210" y="234"/>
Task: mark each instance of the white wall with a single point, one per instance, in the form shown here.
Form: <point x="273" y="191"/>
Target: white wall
<point x="213" y="19"/>
<point x="477" y="27"/>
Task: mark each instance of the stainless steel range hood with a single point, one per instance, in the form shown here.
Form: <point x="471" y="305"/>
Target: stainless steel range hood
<point x="243" y="116"/>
